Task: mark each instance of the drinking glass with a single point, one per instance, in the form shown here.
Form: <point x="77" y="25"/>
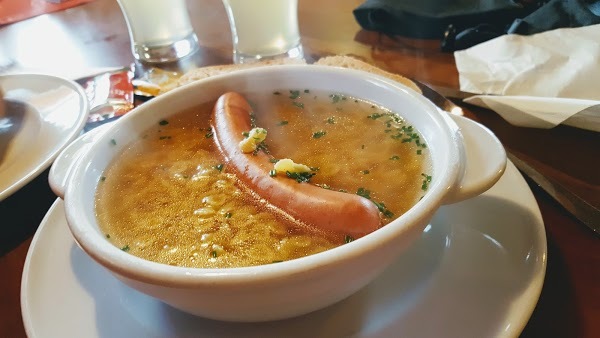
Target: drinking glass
<point x="160" y="30"/>
<point x="264" y="29"/>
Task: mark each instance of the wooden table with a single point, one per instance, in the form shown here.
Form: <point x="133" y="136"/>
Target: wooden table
<point x="95" y="35"/>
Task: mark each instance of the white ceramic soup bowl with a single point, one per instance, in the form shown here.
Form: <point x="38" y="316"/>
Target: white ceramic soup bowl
<point x="467" y="159"/>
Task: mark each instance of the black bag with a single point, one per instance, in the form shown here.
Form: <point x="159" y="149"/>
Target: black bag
<point x="463" y="23"/>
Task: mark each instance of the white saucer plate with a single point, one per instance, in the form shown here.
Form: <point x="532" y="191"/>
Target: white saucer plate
<point x="477" y="271"/>
<point x="56" y="111"/>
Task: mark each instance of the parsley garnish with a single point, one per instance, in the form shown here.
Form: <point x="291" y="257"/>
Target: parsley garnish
<point x="375" y="116"/>
<point x="335" y="98"/>
<point x="208" y="135"/>
<point x="300" y="177"/>
<point x="298" y="104"/>
<point x="219" y="167"/>
<point x="426" y="181"/>
<point x="294" y="94"/>
<point x="380" y="205"/>
<point x="276" y="93"/>
<point x="164" y="138"/>
<point x="213" y="254"/>
<point x="272" y="172"/>
<point x="364" y="193"/>
<point x="395" y="158"/>
<point x="228" y="215"/>
<point x="125" y="248"/>
<point x="348" y="239"/>
<point x="113" y="142"/>
<point x="319" y="134"/>
<point x="365" y="172"/>
<point x="331" y="120"/>
<point x="282" y="123"/>
<point x="102" y="178"/>
<point x="108" y="236"/>
<point x="163" y="122"/>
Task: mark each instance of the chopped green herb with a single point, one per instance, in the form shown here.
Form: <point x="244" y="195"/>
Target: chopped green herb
<point x="125" y="248"/>
<point x="113" y="142"/>
<point x="164" y="138"/>
<point x="395" y="158"/>
<point x="245" y="133"/>
<point x="319" y="134"/>
<point x="219" y="167"/>
<point x="418" y="151"/>
<point x="276" y="93"/>
<point x="208" y="135"/>
<point x="348" y="239"/>
<point x="282" y="123"/>
<point x="261" y="147"/>
<point x="375" y="116"/>
<point x="213" y="254"/>
<point x="335" y="98"/>
<point x="331" y="120"/>
<point x="300" y="177"/>
<point x="343" y="190"/>
<point x="364" y="193"/>
<point x="102" y="178"/>
<point x="163" y="122"/>
<point x="426" y="181"/>
<point x="298" y="104"/>
<point x="384" y="210"/>
<point x="365" y="172"/>
<point x="278" y="261"/>
<point x="273" y="173"/>
<point x="273" y="160"/>
<point x="324" y="186"/>
<point x="108" y="236"/>
<point x="227" y="215"/>
<point x="306" y="91"/>
<point x="294" y="94"/>
<point x="406" y="140"/>
<point x="362" y="146"/>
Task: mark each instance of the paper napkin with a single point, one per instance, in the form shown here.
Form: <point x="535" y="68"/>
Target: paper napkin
<point x="540" y="80"/>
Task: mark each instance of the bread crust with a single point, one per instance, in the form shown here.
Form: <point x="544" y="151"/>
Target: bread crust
<point x="343" y="61"/>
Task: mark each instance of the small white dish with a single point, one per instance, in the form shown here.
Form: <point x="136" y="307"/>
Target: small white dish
<point x="56" y="111"/>
<point x="476" y="271"/>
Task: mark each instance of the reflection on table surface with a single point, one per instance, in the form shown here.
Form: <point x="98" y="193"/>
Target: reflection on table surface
<point x="94" y="35"/>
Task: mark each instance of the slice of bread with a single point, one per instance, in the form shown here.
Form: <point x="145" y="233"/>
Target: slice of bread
<point x="205" y="72"/>
<point x="354" y="63"/>
<point x="333" y="61"/>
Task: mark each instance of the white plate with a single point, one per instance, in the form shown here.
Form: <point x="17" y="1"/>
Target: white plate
<point x="56" y="112"/>
<point x="477" y="271"/>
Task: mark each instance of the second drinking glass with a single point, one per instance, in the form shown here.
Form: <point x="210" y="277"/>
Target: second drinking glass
<point x="264" y="29"/>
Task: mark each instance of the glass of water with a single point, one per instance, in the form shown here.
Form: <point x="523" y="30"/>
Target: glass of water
<point x="264" y="29"/>
<point x="160" y="30"/>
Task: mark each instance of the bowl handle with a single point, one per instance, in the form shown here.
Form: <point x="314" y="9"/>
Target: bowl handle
<point x="62" y="167"/>
<point x="485" y="160"/>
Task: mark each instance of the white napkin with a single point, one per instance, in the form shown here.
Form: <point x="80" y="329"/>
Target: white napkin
<point x="540" y="80"/>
